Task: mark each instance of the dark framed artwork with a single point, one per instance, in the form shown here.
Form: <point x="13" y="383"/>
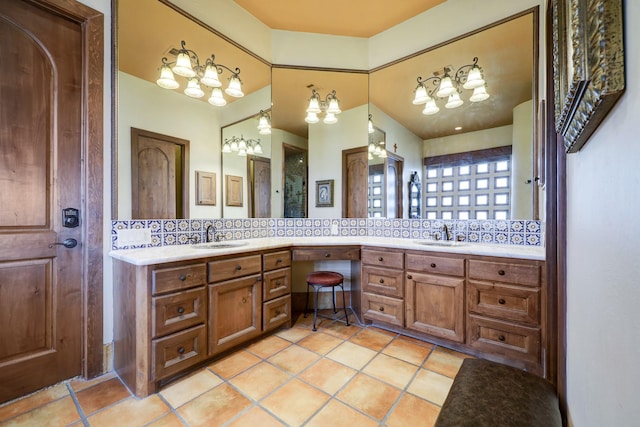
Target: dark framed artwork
<point x="324" y="193"/>
<point x="588" y="66"/>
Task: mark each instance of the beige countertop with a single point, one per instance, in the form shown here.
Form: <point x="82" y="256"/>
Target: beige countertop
<point x="162" y="254"/>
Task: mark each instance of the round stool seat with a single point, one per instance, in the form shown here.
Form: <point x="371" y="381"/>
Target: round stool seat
<point x="325" y="278"/>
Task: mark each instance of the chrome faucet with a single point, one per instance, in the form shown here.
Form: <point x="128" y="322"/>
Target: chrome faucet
<point x="445" y="233"/>
<point x="212" y="237"/>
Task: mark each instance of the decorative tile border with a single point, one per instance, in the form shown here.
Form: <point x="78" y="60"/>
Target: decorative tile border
<point x="179" y="232"/>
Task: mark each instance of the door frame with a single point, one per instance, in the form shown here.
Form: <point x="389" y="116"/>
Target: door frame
<point x="91" y="23"/>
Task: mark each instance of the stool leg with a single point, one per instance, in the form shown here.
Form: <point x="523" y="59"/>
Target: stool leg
<point x="344" y="306"/>
<point x="315" y="306"/>
<point x="333" y="291"/>
<point x="306" y="306"/>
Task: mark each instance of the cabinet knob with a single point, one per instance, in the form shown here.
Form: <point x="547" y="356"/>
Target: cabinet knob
<point x="381" y="280"/>
<point x="238" y="267"/>
<point x="501" y="301"/>
<point x="381" y="308"/>
<point x="501" y="338"/>
<point x="180" y="350"/>
<point x="277" y="312"/>
<point x="409" y="277"/>
<point x="278" y="283"/>
<point x="380" y="259"/>
<point x="244" y="300"/>
<point x="180" y="310"/>
<point x="327" y="254"/>
<point x="278" y="261"/>
<point x="433" y="265"/>
<point x="501" y="272"/>
<point x="183" y="277"/>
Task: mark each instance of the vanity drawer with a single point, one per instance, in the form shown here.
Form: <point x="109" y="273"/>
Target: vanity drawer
<point x="383" y="281"/>
<point x="276" y="283"/>
<point x="179" y="351"/>
<point x="383" y="258"/>
<point x="435" y="264"/>
<point x="504" y="301"/>
<point x="274" y="260"/>
<point x="276" y="312"/>
<point x="171" y="313"/>
<point x="384" y="309"/>
<point x="165" y="280"/>
<point x="503" y="338"/>
<point x="333" y="252"/>
<point x="526" y="274"/>
<point x="234" y="267"/>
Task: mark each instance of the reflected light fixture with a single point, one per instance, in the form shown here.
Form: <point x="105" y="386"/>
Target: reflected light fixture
<point x="187" y="64"/>
<point x="370" y="127"/>
<point x="264" y="123"/>
<point x="470" y="77"/>
<point x="330" y="105"/>
<point x="242" y="146"/>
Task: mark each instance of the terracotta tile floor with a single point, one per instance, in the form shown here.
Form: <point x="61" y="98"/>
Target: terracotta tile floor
<point x="339" y="375"/>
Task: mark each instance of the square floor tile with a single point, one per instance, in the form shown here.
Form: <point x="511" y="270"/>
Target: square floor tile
<point x="295" y="402"/>
<point x="446" y="362"/>
<point x="293" y="334"/>
<point x="169" y="420"/>
<point x="28" y="403"/>
<point x="260" y="380"/>
<point x="233" y="364"/>
<point x="408" y="351"/>
<point x="132" y="412"/>
<point x="337" y="413"/>
<point x="352" y="355"/>
<point x="341" y="330"/>
<point x="431" y="386"/>
<point x="369" y="395"/>
<point x="327" y="375"/>
<point x="102" y="395"/>
<point x="294" y="359"/>
<point x="215" y="407"/>
<point x="59" y="412"/>
<point x="413" y="411"/>
<point x="185" y="389"/>
<point x="257" y="417"/>
<point x="81" y="384"/>
<point x="320" y="342"/>
<point x="268" y="346"/>
<point x="391" y="370"/>
<point x="372" y="339"/>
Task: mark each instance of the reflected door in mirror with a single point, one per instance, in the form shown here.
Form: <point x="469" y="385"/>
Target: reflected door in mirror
<point x="260" y="200"/>
<point x="158" y="181"/>
<point x="394" y="186"/>
<point x="355" y="171"/>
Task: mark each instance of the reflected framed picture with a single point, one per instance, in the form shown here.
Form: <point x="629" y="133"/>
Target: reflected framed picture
<point x="324" y="193"/>
<point x="233" y="190"/>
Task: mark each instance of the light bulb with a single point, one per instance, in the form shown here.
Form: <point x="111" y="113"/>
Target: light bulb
<point x="235" y="87"/>
<point x="446" y="87"/>
<point x="183" y="65"/>
<point x="311" y="117"/>
<point x="421" y="95"/>
<point x="474" y="78"/>
<point x="166" y="80"/>
<point x="430" y="107"/>
<point x="330" y="118"/>
<point x="454" y="101"/>
<point x="217" y="98"/>
<point x="193" y="89"/>
<point x="210" y="77"/>
<point x="479" y="94"/>
<point x="333" y="107"/>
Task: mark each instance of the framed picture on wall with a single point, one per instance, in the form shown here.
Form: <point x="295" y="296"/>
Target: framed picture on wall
<point x="324" y="193"/>
<point x="233" y="190"/>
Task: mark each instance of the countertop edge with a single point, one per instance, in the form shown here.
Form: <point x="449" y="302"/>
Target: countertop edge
<point x="174" y="253"/>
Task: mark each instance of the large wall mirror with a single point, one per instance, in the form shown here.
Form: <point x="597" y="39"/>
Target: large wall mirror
<point x="507" y="53"/>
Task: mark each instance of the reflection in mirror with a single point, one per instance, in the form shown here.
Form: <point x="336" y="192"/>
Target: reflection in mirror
<point x="142" y="104"/>
<point x="506" y="51"/>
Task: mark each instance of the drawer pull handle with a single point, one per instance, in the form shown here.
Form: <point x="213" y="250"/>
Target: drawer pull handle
<point x="433" y="265"/>
<point x="278" y="283"/>
<point x="501" y="301"/>
<point x="380" y="259"/>
<point x="180" y="310"/>
<point x="183" y="278"/>
<point x="501" y="272"/>
<point x="244" y="300"/>
<point x="381" y="308"/>
<point x="238" y="267"/>
<point x="278" y="261"/>
<point x="409" y="277"/>
<point x="381" y="280"/>
<point x="327" y="254"/>
<point x="180" y="350"/>
<point x="277" y="312"/>
<point x="501" y="338"/>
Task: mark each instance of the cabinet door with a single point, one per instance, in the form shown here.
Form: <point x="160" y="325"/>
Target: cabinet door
<point x="234" y="312"/>
<point x="435" y="305"/>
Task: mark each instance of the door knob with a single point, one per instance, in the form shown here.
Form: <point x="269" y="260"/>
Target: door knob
<point x="68" y="243"/>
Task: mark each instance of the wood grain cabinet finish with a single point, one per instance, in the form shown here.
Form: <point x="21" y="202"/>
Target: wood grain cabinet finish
<point x="171" y="279"/>
<point x="327" y="253"/>
<point x="383" y="281"/>
<point x="523" y="273"/>
<point x="275" y="260"/>
<point x="179" y="310"/>
<point x="276" y="290"/>
<point x="506" y="339"/>
<point x="233" y="268"/>
<point x="276" y="312"/>
<point x="503" y="301"/>
<point x="383" y="309"/>
<point x="276" y="283"/>
<point x="383" y="258"/>
<point x="177" y="352"/>
<point x="383" y="285"/>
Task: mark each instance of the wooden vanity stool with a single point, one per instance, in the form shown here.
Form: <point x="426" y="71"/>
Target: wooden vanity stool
<point x="325" y="279"/>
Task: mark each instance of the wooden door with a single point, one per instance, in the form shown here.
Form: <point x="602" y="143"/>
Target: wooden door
<point x="355" y="175"/>
<point x="435" y="305"/>
<point x="41" y="155"/>
<point x="159" y="187"/>
<point x="260" y="192"/>
<point x="393" y="187"/>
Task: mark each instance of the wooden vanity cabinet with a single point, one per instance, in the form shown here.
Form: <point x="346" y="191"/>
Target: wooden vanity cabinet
<point x="235" y="301"/>
<point x="434" y="295"/>
<point x="276" y="293"/>
<point x="383" y="285"/>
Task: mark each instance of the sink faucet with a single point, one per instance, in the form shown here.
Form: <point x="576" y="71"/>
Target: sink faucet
<point x="212" y="235"/>
<point x="445" y="233"/>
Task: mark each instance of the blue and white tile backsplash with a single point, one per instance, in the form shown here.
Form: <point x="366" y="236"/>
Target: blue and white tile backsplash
<point x="187" y="231"/>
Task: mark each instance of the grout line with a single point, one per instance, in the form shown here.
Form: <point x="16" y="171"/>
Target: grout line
<point x="174" y="410"/>
<point x="72" y="393"/>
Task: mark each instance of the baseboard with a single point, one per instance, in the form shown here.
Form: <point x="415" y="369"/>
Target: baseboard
<point x="107" y="357"/>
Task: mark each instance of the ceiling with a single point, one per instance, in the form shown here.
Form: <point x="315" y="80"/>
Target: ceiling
<point x="504" y="52"/>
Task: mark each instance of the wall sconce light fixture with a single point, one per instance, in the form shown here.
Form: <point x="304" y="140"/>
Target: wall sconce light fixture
<point x="264" y="123"/>
<point x="242" y="146"/>
<point x="330" y="106"/>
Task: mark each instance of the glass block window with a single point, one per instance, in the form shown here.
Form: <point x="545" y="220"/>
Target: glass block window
<point x="474" y="185"/>
<point x="374" y="202"/>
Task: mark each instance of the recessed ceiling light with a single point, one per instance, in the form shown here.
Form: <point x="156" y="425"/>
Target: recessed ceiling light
<point x="458" y="128"/>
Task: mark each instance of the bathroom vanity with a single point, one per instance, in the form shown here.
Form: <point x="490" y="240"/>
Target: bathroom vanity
<point x="179" y="306"/>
